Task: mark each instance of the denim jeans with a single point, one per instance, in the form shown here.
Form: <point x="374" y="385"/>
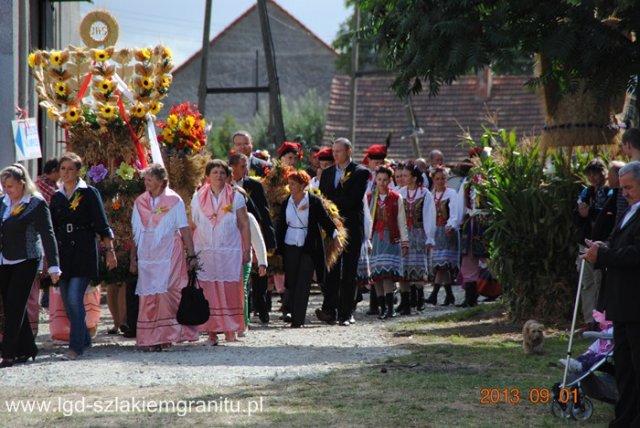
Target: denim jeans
<point x="72" y="291"/>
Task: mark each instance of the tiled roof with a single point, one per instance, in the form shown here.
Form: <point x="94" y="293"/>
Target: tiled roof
<point x="444" y="118"/>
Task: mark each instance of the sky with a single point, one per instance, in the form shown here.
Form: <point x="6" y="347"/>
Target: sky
<point x="178" y="24"/>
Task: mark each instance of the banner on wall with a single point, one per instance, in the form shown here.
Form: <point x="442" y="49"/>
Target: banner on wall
<point x="26" y="139"/>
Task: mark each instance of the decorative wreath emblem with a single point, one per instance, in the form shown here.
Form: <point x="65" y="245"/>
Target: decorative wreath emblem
<point x="99" y="28"/>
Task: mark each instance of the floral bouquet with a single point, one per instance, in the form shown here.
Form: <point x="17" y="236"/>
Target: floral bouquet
<point x="183" y="134"/>
<point x="183" y="142"/>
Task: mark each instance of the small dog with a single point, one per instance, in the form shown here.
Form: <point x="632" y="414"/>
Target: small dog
<point x="533" y="337"/>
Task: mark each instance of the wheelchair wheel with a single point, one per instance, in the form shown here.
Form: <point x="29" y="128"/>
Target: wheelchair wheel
<point x="560" y="410"/>
<point x="583" y="410"/>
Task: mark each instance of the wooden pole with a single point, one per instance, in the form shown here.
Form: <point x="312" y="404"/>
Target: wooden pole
<point x="202" y="88"/>
<point x="354" y="70"/>
<point x="415" y="143"/>
<point x="275" y="109"/>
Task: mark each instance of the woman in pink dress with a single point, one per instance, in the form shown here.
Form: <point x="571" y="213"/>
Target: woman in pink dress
<point x="222" y="240"/>
<point x="160" y="234"/>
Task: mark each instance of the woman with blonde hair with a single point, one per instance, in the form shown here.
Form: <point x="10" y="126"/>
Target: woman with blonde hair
<point x="25" y="227"/>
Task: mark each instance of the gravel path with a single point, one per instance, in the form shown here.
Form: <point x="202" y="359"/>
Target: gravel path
<point x="267" y="353"/>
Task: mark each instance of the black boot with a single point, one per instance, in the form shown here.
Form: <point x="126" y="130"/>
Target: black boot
<point x="414" y="296"/>
<point x="405" y="304"/>
<point x="470" y="296"/>
<point x="390" y="312"/>
<point x="383" y="306"/>
<point x="402" y="300"/>
<point x="420" y="306"/>
<point x="449" y="300"/>
<point x="433" y="297"/>
<point x="373" y="302"/>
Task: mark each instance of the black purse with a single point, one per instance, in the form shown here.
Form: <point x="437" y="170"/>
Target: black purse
<point x="194" y="307"/>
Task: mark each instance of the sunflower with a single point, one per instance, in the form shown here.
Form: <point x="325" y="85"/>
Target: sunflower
<point x="155" y="107"/>
<point x="61" y="89"/>
<point x="33" y="59"/>
<point x="56" y="58"/>
<point x="52" y="113"/>
<point x="108" y="112"/>
<point x="187" y="124"/>
<point x="168" y="135"/>
<point x="105" y="86"/>
<point x="172" y="121"/>
<point x="166" y="80"/>
<point x="166" y="53"/>
<point x="138" y="111"/>
<point x="73" y="114"/>
<point x="146" y="83"/>
<point x="101" y="55"/>
<point x="144" y="54"/>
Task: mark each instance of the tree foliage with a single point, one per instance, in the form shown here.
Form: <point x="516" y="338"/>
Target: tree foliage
<point x="433" y="42"/>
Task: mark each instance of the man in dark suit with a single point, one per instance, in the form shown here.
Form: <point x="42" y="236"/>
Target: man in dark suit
<point x="243" y="143"/>
<point x="344" y="183"/>
<point x="258" y="206"/>
<point x="621" y="258"/>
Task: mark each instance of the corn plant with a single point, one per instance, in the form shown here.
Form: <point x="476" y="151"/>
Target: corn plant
<point x="531" y="232"/>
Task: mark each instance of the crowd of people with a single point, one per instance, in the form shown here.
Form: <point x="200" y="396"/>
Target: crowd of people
<point x="409" y="224"/>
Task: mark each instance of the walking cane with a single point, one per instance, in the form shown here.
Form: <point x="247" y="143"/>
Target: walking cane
<point x="573" y="325"/>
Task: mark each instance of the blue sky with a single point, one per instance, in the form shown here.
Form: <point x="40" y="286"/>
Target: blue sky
<point x="179" y="23"/>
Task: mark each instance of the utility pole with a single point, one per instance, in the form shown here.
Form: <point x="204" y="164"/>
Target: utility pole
<point x="354" y="71"/>
<point x="275" y="109"/>
<point x="202" y="88"/>
<point x="415" y="130"/>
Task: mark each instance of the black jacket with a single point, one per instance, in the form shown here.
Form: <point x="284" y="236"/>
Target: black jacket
<point x="348" y="197"/>
<point x="76" y="232"/>
<point x="622" y="260"/>
<point x="259" y="207"/>
<point x="22" y="236"/>
<point x="313" y="244"/>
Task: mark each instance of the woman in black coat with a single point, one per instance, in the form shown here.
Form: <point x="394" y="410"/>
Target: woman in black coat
<point x="300" y="243"/>
<point x="25" y="227"/>
<point x="78" y="216"/>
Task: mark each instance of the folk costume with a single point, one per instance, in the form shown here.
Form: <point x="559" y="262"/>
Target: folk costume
<point x="162" y="268"/>
<point x="473" y="250"/>
<point x="445" y="254"/>
<point x="218" y="242"/>
<point x="388" y="232"/>
<point x="421" y="226"/>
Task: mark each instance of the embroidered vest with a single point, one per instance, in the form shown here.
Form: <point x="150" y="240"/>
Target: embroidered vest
<point x="387" y="217"/>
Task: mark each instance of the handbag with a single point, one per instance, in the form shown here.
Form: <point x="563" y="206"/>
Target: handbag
<point x="487" y="285"/>
<point x="194" y="307"/>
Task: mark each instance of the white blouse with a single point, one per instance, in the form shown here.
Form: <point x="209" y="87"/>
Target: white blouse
<point x="297" y="218"/>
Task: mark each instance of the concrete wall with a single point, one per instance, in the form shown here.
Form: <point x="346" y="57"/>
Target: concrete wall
<point x="302" y="61"/>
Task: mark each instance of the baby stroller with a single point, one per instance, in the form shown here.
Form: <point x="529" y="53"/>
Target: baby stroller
<point x="572" y="396"/>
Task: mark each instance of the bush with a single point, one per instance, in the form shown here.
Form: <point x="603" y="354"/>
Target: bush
<point x="531" y="229"/>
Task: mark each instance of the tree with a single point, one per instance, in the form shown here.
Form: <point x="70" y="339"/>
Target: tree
<point x="584" y="44"/>
<point x="220" y="136"/>
<point x="303" y="117"/>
